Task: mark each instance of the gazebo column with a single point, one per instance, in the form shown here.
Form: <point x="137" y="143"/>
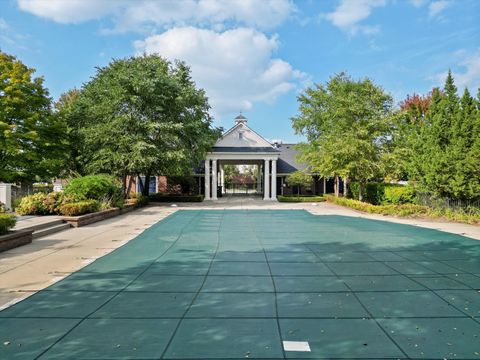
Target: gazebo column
<point x="259" y="178"/>
<point x="274" y="180"/>
<point x="266" y="180"/>
<point x="207" y="179"/>
<point x="214" y="179"/>
<point x="222" y="178"/>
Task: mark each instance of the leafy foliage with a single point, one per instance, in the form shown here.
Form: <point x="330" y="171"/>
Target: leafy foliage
<point x="7" y="221"/>
<point x="31" y="139"/>
<point x="299" y="179"/>
<point x="446" y="145"/>
<point x="79" y="207"/>
<point x="142" y="115"/>
<point x="281" y="198"/>
<point x="96" y="187"/>
<point x="407" y="210"/>
<point x="346" y="124"/>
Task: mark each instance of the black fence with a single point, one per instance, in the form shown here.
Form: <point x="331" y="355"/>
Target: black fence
<point x="446" y="203"/>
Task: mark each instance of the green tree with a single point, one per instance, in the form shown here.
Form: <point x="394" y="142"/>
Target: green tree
<point x="347" y="124"/>
<point x="446" y="151"/>
<point x="144" y="115"/>
<point x="67" y="112"/>
<point x="299" y="179"/>
<point x="31" y="139"/>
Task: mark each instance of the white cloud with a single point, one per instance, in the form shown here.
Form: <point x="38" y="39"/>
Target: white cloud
<point x="142" y="15"/>
<point x="436" y="7"/>
<point x="71" y="11"/>
<point x="235" y="67"/>
<point x="468" y="73"/>
<point x="350" y="13"/>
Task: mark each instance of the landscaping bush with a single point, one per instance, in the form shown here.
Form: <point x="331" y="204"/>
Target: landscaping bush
<point x="103" y="188"/>
<point x="42" y="203"/>
<point x="159" y="197"/>
<point x="411" y="210"/>
<point x="35" y="204"/>
<point x="290" y="198"/>
<point x="138" y="199"/>
<point x="382" y="193"/>
<point x="398" y="194"/>
<point x="7" y="221"/>
<point x="79" y="207"/>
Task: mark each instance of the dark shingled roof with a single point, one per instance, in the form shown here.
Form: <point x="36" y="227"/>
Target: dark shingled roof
<point x="243" y="149"/>
<point x="287" y="162"/>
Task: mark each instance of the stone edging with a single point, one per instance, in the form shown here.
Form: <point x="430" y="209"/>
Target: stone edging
<point x="15" y="239"/>
<point x="82" y="220"/>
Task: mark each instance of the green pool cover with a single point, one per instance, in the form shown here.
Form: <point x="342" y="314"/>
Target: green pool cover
<point x="226" y="284"/>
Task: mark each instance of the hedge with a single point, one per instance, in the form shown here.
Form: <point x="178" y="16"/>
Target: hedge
<point x="282" y="198"/>
<point x="7" y="221"/>
<point x="410" y="210"/>
<point x="79" y="207"/>
<point x="382" y="193"/>
<point x="159" y="197"/>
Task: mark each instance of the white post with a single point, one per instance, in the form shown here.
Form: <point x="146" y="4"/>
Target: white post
<point x="222" y="178"/>
<point x="259" y="178"/>
<point x="274" y="180"/>
<point x="266" y="181"/>
<point x="207" y="179"/>
<point x="214" y="179"/>
<point x="6" y="195"/>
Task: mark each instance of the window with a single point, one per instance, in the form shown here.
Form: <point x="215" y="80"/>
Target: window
<point x="240" y="135"/>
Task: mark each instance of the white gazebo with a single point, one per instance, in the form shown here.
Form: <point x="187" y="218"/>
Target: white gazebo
<point x="242" y="146"/>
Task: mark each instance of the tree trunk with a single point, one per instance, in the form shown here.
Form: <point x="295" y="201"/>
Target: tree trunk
<point x="298" y="190"/>
<point x="360" y="191"/>
<point x="146" y="186"/>
<point x="337" y="186"/>
<point x="129" y="187"/>
<point x="345" y="187"/>
<point x="124" y="186"/>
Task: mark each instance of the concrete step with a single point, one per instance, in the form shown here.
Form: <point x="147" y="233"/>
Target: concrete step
<point x="51" y="230"/>
<point x="43" y="225"/>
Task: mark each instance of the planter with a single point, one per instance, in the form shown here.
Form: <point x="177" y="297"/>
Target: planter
<point x="82" y="220"/>
<point x="15" y="239"/>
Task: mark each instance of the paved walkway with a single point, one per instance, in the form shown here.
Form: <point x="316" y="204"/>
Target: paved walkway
<point x="276" y="284"/>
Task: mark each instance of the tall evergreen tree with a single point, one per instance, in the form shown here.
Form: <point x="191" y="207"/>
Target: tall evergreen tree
<point x="445" y="161"/>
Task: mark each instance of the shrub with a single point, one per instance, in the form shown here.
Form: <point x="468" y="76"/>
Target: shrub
<point x="282" y="198"/>
<point x="138" y="199"/>
<point x="7" y="221"/>
<point x="33" y="205"/>
<point x="399" y="194"/>
<point x="42" y="203"/>
<point x="79" y="207"/>
<point x="381" y="193"/>
<point x="159" y="197"/>
<point x="103" y="188"/>
<point x="411" y="210"/>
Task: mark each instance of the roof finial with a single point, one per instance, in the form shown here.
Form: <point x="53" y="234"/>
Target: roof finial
<point x="240" y="118"/>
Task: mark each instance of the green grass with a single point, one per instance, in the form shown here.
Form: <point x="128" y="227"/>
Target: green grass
<point x="294" y="198"/>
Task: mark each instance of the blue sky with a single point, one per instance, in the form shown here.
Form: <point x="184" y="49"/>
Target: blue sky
<point x="254" y="56"/>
